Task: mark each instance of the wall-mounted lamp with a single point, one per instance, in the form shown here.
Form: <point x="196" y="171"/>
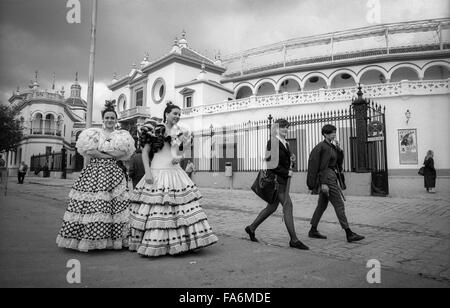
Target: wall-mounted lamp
<point x="407" y="115"/>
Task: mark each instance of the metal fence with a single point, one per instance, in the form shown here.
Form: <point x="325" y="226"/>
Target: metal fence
<point x="53" y="161"/>
<point x="244" y="145"/>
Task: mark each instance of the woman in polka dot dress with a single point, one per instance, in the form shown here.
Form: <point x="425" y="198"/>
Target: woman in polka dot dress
<point x="166" y="217"/>
<point x="97" y="216"/>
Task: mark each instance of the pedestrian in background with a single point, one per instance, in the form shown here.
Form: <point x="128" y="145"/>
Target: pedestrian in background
<point x="23" y="168"/>
<point x="190" y="168"/>
<point x="136" y="170"/>
<point x="429" y="172"/>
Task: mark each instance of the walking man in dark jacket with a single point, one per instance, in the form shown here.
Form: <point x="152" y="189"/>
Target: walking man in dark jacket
<point x="324" y="166"/>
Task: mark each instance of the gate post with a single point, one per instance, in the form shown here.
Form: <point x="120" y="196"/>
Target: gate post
<point x="269" y="125"/>
<point x="360" y="106"/>
<point x="64" y="163"/>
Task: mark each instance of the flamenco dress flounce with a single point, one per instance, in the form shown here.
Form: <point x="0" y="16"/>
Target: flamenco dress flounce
<point x="166" y="216"/>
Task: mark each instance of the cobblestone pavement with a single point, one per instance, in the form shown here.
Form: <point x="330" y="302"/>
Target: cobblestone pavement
<point x="410" y="234"/>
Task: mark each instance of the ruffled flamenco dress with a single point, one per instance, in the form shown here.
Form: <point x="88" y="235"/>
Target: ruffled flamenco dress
<point x="166" y="216"/>
<point x="97" y="215"/>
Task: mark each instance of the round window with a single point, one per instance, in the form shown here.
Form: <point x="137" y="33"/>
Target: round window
<point x="158" y="90"/>
<point x="122" y="104"/>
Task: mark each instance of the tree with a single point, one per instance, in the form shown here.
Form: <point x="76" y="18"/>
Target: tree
<point x="10" y="128"/>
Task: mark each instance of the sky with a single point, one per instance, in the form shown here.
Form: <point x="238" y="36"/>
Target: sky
<point x="35" y="34"/>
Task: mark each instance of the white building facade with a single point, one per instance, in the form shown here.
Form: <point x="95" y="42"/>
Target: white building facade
<point x="404" y="67"/>
<point x="50" y="122"/>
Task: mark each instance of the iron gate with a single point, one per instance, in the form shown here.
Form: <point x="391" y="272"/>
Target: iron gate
<point x="368" y="143"/>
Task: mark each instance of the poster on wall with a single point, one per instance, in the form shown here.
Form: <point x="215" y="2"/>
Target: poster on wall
<point x="407" y="140"/>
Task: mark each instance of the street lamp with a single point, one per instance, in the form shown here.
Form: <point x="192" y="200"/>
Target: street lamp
<point x="407" y="115"/>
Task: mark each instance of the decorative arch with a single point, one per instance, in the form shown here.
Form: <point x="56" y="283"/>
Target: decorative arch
<point x="54" y="114"/>
<point x="404" y="65"/>
<point x="288" y="77"/>
<point x="370" y="68"/>
<point x="265" y="80"/>
<point x="314" y="74"/>
<point x="36" y="113"/>
<point x="339" y="72"/>
<point x="433" y="64"/>
<point x="241" y="85"/>
<point x="343" y="71"/>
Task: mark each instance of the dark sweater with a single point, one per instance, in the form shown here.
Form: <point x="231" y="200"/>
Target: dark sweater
<point x="323" y="157"/>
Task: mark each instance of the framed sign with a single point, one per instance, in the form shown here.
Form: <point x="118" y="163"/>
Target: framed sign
<point x="407" y="141"/>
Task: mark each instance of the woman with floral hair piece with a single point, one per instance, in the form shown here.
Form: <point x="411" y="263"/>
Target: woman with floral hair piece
<point x="97" y="216"/>
<point x="166" y="217"/>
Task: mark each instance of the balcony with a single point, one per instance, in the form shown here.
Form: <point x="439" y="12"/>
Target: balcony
<point x="138" y="111"/>
<point x="402" y="88"/>
<point x="43" y="132"/>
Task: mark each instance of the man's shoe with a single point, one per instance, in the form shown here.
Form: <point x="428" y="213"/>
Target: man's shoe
<point x="298" y="245"/>
<point x="354" y="237"/>
<point x="316" y="234"/>
<point x="251" y="234"/>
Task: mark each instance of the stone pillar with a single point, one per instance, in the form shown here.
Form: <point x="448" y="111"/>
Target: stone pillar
<point x="404" y="85"/>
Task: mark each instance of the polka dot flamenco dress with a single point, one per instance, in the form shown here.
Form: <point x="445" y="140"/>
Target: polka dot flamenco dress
<point x="97" y="216"/>
<point x="166" y="217"/>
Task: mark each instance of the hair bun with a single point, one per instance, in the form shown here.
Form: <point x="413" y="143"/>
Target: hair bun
<point x="169" y="103"/>
<point x="110" y="105"/>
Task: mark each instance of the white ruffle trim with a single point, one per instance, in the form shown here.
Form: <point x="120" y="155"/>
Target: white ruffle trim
<point x="165" y="197"/>
<point x="86" y="245"/>
<point x="142" y="217"/>
<point x="120" y="192"/>
<point x="173" y="249"/>
<point x="122" y="217"/>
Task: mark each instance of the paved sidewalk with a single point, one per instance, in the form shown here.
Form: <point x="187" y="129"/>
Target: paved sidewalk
<point x="411" y="235"/>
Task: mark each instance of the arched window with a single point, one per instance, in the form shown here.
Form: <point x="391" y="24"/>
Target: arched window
<point x="404" y="73"/>
<point x="266" y="89"/>
<point x="372" y="76"/>
<point x="37" y="124"/>
<point x="244" y="92"/>
<point x="289" y="85"/>
<point x="437" y="72"/>
<point x="49" y="125"/>
<point x="315" y="83"/>
<point x="343" y="80"/>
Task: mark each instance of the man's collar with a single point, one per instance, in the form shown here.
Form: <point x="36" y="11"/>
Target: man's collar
<point x="329" y="143"/>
